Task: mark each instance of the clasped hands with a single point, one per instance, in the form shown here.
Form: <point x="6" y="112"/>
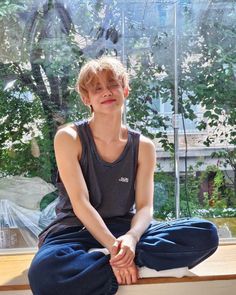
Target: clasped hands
<point x="122" y="260"/>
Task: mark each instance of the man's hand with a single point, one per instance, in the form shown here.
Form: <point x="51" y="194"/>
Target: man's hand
<point x="123" y="251"/>
<point x="126" y="276"/>
<point x="122" y="260"/>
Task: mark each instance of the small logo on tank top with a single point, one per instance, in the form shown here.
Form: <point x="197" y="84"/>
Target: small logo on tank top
<point x="124" y="179"/>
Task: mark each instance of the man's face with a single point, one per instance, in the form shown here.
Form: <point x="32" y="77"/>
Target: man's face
<point x="106" y="93"/>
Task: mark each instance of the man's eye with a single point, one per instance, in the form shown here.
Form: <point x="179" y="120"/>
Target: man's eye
<point x="114" y="84"/>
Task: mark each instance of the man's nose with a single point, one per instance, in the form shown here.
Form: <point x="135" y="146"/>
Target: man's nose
<point x="107" y="91"/>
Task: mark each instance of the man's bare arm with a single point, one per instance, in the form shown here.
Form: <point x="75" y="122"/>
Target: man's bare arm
<point x="144" y="190"/>
<point x="144" y="205"/>
<point x="67" y="150"/>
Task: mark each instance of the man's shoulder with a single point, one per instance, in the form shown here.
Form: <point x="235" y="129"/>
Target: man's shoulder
<point x="66" y="130"/>
<point x="71" y="127"/>
<point x="146" y="148"/>
<point x="67" y="139"/>
<point x="146" y="141"/>
<point x="67" y="135"/>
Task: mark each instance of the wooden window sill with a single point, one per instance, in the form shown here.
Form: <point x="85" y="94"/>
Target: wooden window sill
<point x="220" y="266"/>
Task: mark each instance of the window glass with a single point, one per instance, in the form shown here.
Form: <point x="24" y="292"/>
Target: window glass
<point x="43" y="46"/>
<point x="206" y="42"/>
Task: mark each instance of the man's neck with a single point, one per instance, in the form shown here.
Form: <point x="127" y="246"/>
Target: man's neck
<point x="107" y="128"/>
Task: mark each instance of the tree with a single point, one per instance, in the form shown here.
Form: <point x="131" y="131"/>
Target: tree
<point x="208" y="79"/>
<point x="44" y="66"/>
<point x="39" y="72"/>
<point x="149" y="85"/>
<point x="54" y="39"/>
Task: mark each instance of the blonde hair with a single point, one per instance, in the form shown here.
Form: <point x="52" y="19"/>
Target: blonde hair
<point x="90" y="71"/>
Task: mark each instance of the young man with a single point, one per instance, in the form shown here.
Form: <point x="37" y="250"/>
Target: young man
<point x="104" y="170"/>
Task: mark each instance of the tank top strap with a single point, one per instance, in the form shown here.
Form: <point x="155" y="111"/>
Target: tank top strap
<point x="85" y="139"/>
<point x="135" y="138"/>
<point x="81" y="130"/>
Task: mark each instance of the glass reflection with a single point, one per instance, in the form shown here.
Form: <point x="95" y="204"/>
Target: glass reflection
<point x="44" y="44"/>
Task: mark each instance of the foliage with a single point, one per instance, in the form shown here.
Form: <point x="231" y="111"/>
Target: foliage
<point x="36" y="85"/>
<point x="216" y="204"/>
<point x="163" y="194"/>
<point x="208" y="79"/>
<point x="215" y="212"/>
<point x="38" y="73"/>
<point x="43" y="61"/>
<point x="221" y="195"/>
<point x="23" y="130"/>
<point x="208" y="75"/>
<point x="148" y="86"/>
<point x="227" y="158"/>
<point x="164" y="202"/>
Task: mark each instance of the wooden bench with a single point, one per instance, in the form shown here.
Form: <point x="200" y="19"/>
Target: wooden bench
<point x="216" y="275"/>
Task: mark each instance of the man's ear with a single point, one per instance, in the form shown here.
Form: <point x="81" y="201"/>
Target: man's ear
<point x="86" y="100"/>
<point x="126" y="92"/>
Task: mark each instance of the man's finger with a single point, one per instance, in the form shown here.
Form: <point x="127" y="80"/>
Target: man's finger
<point x="115" y="248"/>
<point x="118" y="276"/>
<point x="128" y="278"/>
<point x="118" y="256"/>
<point x="123" y="263"/>
<point x="134" y="275"/>
<point x="123" y="260"/>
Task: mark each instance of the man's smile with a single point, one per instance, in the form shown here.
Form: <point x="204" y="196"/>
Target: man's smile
<point x="108" y="101"/>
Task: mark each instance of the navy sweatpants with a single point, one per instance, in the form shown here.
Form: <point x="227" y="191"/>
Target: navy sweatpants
<point x="62" y="266"/>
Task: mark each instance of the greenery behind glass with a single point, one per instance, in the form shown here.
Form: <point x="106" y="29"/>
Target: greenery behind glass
<point x="44" y="44"/>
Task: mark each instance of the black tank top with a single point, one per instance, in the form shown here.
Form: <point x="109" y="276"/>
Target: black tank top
<point x="110" y="185"/>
